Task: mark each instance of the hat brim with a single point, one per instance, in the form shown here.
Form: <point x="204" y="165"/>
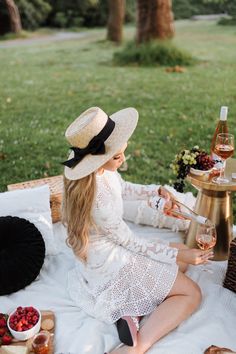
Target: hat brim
<point x="125" y="124"/>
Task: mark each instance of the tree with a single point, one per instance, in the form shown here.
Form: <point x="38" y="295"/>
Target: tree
<point x="154" y="20"/>
<point x="115" y="20"/>
<point x="33" y="12"/>
<point x="230" y="7"/>
<point x="14" y="16"/>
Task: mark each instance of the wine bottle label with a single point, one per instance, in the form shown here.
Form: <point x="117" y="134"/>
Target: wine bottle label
<point x="215" y="157"/>
<point x="218" y="161"/>
<point x="157" y="203"/>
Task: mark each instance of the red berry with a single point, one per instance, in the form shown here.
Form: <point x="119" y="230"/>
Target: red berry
<point x="3" y="330"/>
<point x="3" y="322"/>
<point x="6" y="339"/>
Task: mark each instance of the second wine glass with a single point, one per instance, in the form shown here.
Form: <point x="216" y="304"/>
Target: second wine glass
<point x="206" y="238"/>
<point x="224" y="147"/>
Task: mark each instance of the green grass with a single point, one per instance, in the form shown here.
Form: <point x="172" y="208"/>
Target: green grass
<point x="27" y="34"/>
<point x="44" y="87"/>
<point x="152" y="53"/>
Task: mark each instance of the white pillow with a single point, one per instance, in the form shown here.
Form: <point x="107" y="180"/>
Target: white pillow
<point x="31" y="204"/>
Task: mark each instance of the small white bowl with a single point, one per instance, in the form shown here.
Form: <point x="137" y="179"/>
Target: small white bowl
<point x="196" y="172"/>
<point x="24" y="335"/>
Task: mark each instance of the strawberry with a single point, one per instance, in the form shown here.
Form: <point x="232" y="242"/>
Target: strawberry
<point x="19" y="327"/>
<point x="3" y="330"/>
<point x="3" y="322"/>
<point x="6" y="339"/>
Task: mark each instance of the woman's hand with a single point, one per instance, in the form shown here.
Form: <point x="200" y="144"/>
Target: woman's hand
<point x="170" y="200"/>
<point x="163" y="192"/>
<point x="194" y="256"/>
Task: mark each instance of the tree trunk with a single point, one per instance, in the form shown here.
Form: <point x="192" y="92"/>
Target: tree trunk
<point x="143" y="20"/>
<point x="14" y="16"/>
<point x="115" y="20"/>
<point x="154" y="20"/>
<point x="165" y="19"/>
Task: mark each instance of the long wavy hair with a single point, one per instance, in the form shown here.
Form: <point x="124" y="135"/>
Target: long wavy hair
<point x="77" y="203"/>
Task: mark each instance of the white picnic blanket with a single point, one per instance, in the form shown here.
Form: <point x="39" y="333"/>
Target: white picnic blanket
<point x="77" y="333"/>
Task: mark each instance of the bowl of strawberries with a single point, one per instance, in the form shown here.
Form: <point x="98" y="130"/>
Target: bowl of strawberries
<point x="24" y="322"/>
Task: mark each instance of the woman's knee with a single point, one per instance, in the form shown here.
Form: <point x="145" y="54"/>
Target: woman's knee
<point x="187" y="287"/>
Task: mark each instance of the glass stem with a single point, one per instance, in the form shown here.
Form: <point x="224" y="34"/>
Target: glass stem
<point x="222" y="171"/>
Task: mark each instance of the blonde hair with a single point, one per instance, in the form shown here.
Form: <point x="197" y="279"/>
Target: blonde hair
<point x="76" y="212"/>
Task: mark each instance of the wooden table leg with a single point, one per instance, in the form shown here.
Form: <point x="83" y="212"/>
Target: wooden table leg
<point x="216" y="206"/>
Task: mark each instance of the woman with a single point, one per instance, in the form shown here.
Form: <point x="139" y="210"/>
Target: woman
<point x="120" y="276"/>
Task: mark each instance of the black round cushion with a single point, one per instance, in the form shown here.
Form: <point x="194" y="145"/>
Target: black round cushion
<point x="22" y="252"/>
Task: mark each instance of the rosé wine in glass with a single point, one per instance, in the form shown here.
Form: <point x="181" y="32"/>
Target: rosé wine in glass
<point x="224" y="147"/>
<point x="224" y="151"/>
<point x="206" y="238"/>
<point x="205" y="241"/>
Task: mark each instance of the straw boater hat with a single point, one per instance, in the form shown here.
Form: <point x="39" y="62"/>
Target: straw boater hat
<point x="95" y="137"/>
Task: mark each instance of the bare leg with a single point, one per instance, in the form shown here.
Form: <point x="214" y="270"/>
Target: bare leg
<point x="182" y="301"/>
<point x="182" y="266"/>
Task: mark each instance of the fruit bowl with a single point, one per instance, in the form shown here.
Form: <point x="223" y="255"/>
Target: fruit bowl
<point x="196" y="172"/>
<point x="24" y="322"/>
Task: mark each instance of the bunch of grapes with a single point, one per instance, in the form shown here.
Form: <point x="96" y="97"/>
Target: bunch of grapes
<point x="196" y="158"/>
<point x="204" y="161"/>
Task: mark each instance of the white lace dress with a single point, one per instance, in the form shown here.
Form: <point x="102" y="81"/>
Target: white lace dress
<point x="125" y="274"/>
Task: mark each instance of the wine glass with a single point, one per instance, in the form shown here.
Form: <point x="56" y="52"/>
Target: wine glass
<point x="224" y="147"/>
<point x="206" y="238"/>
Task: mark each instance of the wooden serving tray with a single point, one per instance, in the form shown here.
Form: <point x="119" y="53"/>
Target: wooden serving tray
<point x="46" y="314"/>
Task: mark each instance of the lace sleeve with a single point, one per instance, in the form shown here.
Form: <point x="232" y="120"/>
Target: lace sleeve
<point x="134" y="191"/>
<point x="117" y="231"/>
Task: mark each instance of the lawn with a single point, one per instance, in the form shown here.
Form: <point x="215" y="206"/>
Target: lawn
<point x="44" y="87"/>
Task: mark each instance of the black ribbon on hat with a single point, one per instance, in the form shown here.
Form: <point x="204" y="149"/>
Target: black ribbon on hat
<point x="96" y="145"/>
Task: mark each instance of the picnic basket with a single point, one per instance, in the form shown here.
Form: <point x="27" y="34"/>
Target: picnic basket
<point x="55" y="184"/>
<point x="230" y="277"/>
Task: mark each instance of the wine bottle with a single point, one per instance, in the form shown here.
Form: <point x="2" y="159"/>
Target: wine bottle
<point x="158" y="203"/>
<point x="221" y="127"/>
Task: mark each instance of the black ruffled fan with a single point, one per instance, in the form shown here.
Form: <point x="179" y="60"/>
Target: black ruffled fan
<point x="22" y="252"/>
